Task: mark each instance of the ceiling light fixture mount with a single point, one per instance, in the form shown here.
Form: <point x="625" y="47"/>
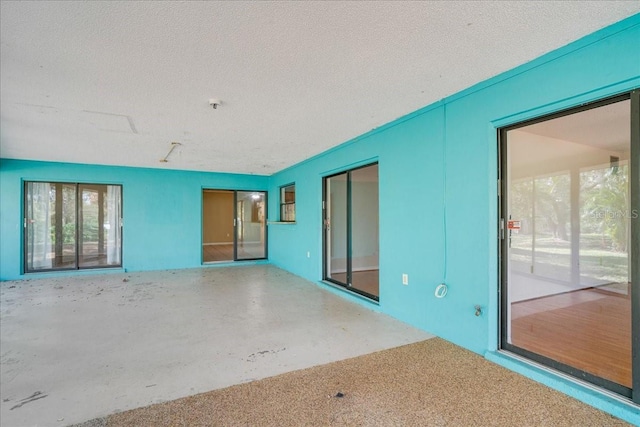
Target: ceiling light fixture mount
<point x="215" y="103"/>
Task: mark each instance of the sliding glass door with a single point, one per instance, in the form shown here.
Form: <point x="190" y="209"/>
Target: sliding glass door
<point x="569" y="248"/>
<point x="233" y="225"/>
<point x="72" y="226"/>
<point x="251" y="232"/>
<point x="351" y="230"/>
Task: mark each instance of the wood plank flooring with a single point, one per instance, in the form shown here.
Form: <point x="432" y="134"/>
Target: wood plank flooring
<point x="224" y="252"/>
<point x="587" y="329"/>
<point x="212" y="253"/>
<point x="367" y="280"/>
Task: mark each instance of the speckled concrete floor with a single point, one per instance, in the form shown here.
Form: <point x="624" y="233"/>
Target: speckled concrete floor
<point x="430" y="383"/>
<point x="81" y="347"/>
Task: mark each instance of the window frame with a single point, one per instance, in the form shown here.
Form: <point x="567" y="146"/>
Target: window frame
<point x="284" y="204"/>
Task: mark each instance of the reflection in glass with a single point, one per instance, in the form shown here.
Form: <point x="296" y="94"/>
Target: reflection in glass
<point x="336" y="228"/>
<point x="72" y="226"/>
<point x="568" y="270"/>
<point x="364" y="229"/>
<point x="250" y="228"/>
<point x="51" y="226"/>
<point x="217" y="225"/>
<point x="351" y="230"/>
<point x="99" y="233"/>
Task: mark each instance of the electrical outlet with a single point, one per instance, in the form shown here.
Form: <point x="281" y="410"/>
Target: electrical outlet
<point x="308" y="254"/>
<point x="405" y="279"/>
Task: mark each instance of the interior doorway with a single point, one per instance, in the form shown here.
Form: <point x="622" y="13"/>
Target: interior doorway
<point x="233" y="225"/>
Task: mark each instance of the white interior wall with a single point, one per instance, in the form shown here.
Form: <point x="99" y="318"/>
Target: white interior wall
<point x="365" y="226"/>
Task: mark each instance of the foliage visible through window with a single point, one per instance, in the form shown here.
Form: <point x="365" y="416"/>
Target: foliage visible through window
<point x="542" y="245"/>
<point x="72" y="226"/>
<point x="288" y="203"/>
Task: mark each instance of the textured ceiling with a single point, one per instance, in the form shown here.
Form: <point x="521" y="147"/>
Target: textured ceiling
<point x="117" y="82"/>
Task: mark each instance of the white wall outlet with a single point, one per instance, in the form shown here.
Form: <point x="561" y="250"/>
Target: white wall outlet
<point x="308" y="254"/>
<point x="405" y="279"/>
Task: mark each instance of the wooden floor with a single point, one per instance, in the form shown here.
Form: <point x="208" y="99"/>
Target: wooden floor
<point x="224" y="252"/>
<point x="212" y="253"/>
<point x="588" y="329"/>
<point x="367" y="281"/>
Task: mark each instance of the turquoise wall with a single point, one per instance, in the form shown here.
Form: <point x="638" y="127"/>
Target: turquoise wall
<point x="438" y="184"/>
<point x="162" y="210"/>
<point x="438" y="192"/>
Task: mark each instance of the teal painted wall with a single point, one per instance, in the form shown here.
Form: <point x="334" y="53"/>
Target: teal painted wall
<point x="438" y="184"/>
<point x="438" y="191"/>
<point x="162" y="210"/>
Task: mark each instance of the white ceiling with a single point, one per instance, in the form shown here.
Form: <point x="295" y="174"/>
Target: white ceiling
<point x="117" y="82"/>
<point x="606" y="127"/>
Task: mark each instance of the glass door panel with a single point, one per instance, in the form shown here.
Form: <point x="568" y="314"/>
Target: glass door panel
<point x="552" y="229"/>
<point x="251" y="242"/>
<point x="113" y="225"/>
<point x="567" y="238"/>
<point x="336" y="228"/>
<point x="50" y="220"/>
<point x="364" y="230"/>
<point x="99" y="232"/>
<point x="217" y="226"/>
<point x="605" y="232"/>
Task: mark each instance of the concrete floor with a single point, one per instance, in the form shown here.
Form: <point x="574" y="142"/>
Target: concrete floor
<point x="80" y="347"/>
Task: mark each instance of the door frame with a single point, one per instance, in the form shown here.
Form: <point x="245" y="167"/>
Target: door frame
<point x="634" y="248"/>
<point x="326" y="239"/>
<point x="235" y="225"/>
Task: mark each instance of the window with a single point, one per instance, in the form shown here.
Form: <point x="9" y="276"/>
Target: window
<point x="72" y="226"/>
<point x="288" y="203"/>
